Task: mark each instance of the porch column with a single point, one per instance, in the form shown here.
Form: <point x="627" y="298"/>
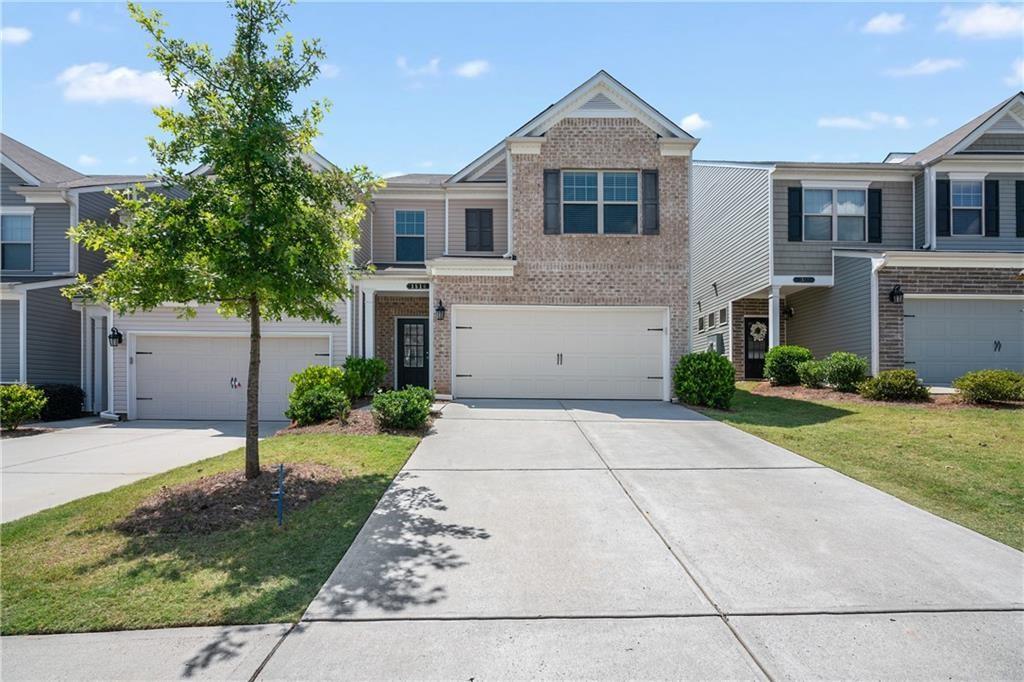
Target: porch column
<point x="368" y="324"/>
<point x="774" y="317"/>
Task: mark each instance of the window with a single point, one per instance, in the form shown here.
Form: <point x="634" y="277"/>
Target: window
<point x="966" y="205"/>
<point x="835" y="215"/>
<point x="16" y="241"/>
<point x="722" y="316"/>
<point x="711" y="320"/>
<point x="700" y="323"/>
<point x="605" y="202"/>
<point x="409" y="236"/>
<point x="479" y="229"/>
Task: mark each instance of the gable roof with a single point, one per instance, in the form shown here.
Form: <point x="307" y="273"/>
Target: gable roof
<point x="40" y="167"/>
<point x="952" y="141"/>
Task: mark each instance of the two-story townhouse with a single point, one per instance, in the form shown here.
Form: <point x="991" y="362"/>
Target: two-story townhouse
<point x="913" y="262"/>
<point x="552" y="266"/>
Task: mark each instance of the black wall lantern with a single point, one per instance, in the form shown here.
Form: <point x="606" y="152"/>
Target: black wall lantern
<point x="439" y="310"/>
<point x="115" y="337"/>
<point x="788" y="312"/>
<point x="896" y="295"/>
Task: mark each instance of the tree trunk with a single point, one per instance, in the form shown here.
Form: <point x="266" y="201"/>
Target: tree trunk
<point x="252" y="394"/>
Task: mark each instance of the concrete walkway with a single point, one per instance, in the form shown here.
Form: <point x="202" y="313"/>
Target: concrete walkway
<point x="86" y="456"/>
<point x="547" y="539"/>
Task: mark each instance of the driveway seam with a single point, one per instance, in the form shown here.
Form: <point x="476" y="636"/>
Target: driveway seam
<point x="273" y="650"/>
<point x="613" y="468"/>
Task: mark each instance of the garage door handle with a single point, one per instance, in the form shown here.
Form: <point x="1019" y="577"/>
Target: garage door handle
<point x="997" y="346"/>
<point x="321" y="355"/>
<point x="143" y="398"/>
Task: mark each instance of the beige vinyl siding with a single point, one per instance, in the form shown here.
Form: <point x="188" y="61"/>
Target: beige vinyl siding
<point x="1007" y="239"/>
<point x="496" y="174"/>
<point x="729" y="234"/>
<point x="207" y="320"/>
<point x="362" y="255"/>
<point x="53" y="338"/>
<point x="10" y="341"/>
<point x="384" y="225"/>
<point x="815" y="258"/>
<point x="457" y="225"/>
<point x="829" y="319"/>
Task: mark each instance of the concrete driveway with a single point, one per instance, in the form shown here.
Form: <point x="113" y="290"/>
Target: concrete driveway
<point x="87" y="456"/>
<point x="609" y="540"/>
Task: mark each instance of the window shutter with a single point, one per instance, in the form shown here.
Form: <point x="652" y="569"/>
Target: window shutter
<point x="651" y="216"/>
<point x="942" y="218"/>
<point x="1020" y="208"/>
<point x="486" y="229"/>
<point x="552" y="202"/>
<point x="875" y="215"/>
<point x="991" y="208"/>
<point x="796" y="214"/>
<point x="472" y="229"/>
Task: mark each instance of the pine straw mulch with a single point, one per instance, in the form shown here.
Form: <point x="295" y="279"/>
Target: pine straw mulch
<point x="360" y="423"/>
<point x="944" y="401"/>
<point x="24" y="431"/>
<point x="227" y="500"/>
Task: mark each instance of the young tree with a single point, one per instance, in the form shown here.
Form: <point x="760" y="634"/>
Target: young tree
<point x="257" y="230"/>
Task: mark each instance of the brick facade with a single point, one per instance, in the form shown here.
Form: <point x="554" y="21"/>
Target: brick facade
<point x="577" y="269"/>
<point x="1000" y="281"/>
<point x="387" y="309"/>
<point x="748" y="307"/>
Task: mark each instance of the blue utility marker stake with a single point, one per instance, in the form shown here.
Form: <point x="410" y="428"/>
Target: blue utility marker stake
<point x="279" y="495"/>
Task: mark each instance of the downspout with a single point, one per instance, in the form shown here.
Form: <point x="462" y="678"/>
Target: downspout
<point x="373" y="209"/>
<point x="913" y="215"/>
<point x="446" y="221"/>
<point x="110" y="414"/>
<point x="876" y="265"/>
<point x="929" y="208"/>
<point x="73" y="246"/>
<point x="508" y="191"/>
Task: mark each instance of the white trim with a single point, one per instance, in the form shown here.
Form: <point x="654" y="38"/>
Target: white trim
<point x="72" y="245"/>
<point x="1003" y="163"/>
<point x="929" y="208"/>
<point x="471" y="267"/>
<point x="394" y="352"/>
<point x="789" y="280"/>
<point x="952" y="259"/>
<point x="967" y="297"/>
<point x="670" y="146"/>
<point x="913" y="214"/>
<point x="972" y="178"/>
<point x="525" y="145"/>
<point x="23" y="211"/>
<point x="854" y="175"/>
<point x="39" y="195"/>
<point x="600" y="202"/>
<point x="23" y="339"/>
<point x="18" y="170"/>
<point x="17" y="210"/>
<point x="835" y="215"/>
<point x="430" y="341"/>
<point x="485" y="168"/>
<point x="964" y="176"/>
<point x="985" y="125"/>
<point x="45" y="284"/>
<point x="445" y="225"/>
<point x="774" y="317"/>
<point x="835" y="184"/>
<point x="408" y="236"/>
<point x="110" y="365"/>
<point x="508" y="198"/>
<point x="876" y="265"/>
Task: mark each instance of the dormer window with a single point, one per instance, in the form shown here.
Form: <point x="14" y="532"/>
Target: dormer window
<point x="966" y="202"/>
<point x="600" y="202"/>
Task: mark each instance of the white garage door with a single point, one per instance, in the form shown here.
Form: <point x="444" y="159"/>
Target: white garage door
<point x="190" y="377"/>
<point x="947" y="337"/>
<point x="559" y="352"/>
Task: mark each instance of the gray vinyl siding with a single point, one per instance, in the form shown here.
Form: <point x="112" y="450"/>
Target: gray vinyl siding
<point x="919" y="224"/>
<point x="1007" y="239"/>
<point x="94" y="206"/>
<point x="10" y="180"/>
<point x="50" y="223"/>
<point x="10" y="341"/>
<point x="384" y="225"/>
<point x="457" y="226"/>
<point x="53" y="338"/>
<point x="829" y="319"/>
<point x="998" y="142"/>
<point x="729" y="232"/>
<point x="814" y="257"/>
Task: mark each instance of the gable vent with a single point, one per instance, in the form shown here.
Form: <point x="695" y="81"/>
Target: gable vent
<point x="600" y="103"/>
<point x="1007" y="124"/>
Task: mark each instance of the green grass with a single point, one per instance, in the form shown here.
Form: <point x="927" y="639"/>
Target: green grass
<point x="962" y="464"/>
<point x="68" y="570"/>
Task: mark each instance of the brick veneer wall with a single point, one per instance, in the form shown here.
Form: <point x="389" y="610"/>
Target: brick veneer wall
<point x="386" y="310"/>
<point x="750" y="307"/>
<point x="585" y="269"/>
<point x="931" y="281"/>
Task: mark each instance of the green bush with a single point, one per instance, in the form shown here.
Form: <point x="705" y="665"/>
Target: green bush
<point x="990" y="386"/>
<point x="811" y="373"/>
<point x="405" y="409"/>
<point x="844" y="371"/>
<point x="894" y="384"/>
<point x="424" y="393"/>
<point x="63" y="401"/>
<point x="704" y="379"/>
<point x="780" y="364"/>
<point x="316" y="376"/>
<point x="363" y="376"/>
<point x="18" y="404"/>
<point x="316" y="404"/>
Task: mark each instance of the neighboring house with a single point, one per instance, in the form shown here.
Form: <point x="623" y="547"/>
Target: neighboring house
<point x="914" y="262"/>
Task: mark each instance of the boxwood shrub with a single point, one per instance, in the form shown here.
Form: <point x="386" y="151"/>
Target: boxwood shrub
<point x="363" y="376"/>
<point x="704" y="379"/>
<point x="780" y="364"/>
<point x="405" y="409"/>
<point x="317" y="404"/>
<point x="811" y="373"/>
<point x="894" y="384"/>
<point x="990" y="386"/>
<point x="845" y="371"/>
<point x="18" y="404"/>
<point x="63" y="401"/>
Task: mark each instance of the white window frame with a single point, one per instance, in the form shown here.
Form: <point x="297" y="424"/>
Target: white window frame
<point x="600" y="203"/>
<point x="723" y="317"/>
<point x="980" y="208"/>
<point x="835" y="189"/>
<point x="30" y="212"/>
<point x="408" y="236"/>
<point x="700" y="323"/>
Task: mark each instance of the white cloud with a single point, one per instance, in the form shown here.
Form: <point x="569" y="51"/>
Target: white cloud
<point x="926" y="67"/>
<point x="87" y="160"/>
<point x="473" y="69"/>
<point x="75" y="16"/>
<point x="14" y="35"/>
<point x="694" y="122"/>
<point x="869" y="121"/>
<point x="886" y="24"/>
<point x="431" y="68"/>
<point x="97" y="82"/>
<point x="990" y="20"/>
<point x="1016" y="77"/>
<point x="328" y="70"/>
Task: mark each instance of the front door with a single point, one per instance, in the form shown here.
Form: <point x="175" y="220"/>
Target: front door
<point x="755" y="345"/>
<point x="411" y="358"/>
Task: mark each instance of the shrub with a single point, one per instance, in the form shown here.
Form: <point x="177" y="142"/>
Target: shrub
<point x="318" y="376"/>
<point x="63" y="401"/>
<point x="811" y="373"/>
<point x="316" y="404"/>
<point x="424" y="393"/>
<point x="990" y="386"/>
<point x="18" y="404"/>
<point x="405" y="409"/>
<point x="704" y="379"/>
<point x="894" y="384"/>
<point x="363" y="375"/>
<point x="780" y="364"/>
<point x="844" y="371"/>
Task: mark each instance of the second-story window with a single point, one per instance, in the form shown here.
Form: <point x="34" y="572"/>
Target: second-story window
<point x="967" y="205"/>
<point x="410" y="236"/>
<point x="835" y="215"/>
<point x="15" y="240"/>
<point x="600" y="202"/>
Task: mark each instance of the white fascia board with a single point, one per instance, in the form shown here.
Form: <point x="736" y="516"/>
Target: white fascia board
<point x="479" y="161"/>
<point x="525" y="145"/>
<point x="835" y="184"/>
<point x="969" y="176"/>
<point x="953" y="259"/>
<point x="990" y="164"/>
<point x="34" y="195"/>
<point x="115" y="186"/>
<point x="18" y="170"/>
<point x="988" y="123"/>
<point x="471" y="267"/>
<point x="670" y="146"/>
<point x="840" y="175"/>
<point x="46" y="284"/>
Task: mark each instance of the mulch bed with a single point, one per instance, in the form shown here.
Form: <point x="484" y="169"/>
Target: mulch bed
<point x="360" y="422"/>
<point x="937" y="402"/>
<point x="227" y="500"/>
<point x="24" y="431"/>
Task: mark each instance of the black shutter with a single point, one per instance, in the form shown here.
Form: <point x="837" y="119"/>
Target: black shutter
<point x="942" y="217"/>
<point x="875" y="215"/>
<point x="1020" y="208"/>
<point x="650" y="195"/>
<point x="796" y="214"/>
<point x="991" y="208"/>
<point x="552" y="202"/>
<point x="486" y="229"/>
<point x="472" y="229"/>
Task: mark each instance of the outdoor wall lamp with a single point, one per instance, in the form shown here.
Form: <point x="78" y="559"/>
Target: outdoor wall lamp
<point x="115" y="337"/>
<point x="896" y="295"/>
<point x="439" y="310"/>
<point x="788" y="312"/>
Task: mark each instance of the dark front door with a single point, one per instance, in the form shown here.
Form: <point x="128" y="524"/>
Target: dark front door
<point x="755" y="345"/>
<point x="411" y="361"/>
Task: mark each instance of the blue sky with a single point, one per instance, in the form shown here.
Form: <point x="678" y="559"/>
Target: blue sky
<point x="428" y="87"/>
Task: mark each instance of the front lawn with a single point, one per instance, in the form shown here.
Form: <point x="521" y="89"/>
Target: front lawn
<point x="73" y="568"/>
<point x="964" y="464"/>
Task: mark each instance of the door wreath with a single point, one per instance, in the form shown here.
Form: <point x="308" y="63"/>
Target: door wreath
<point x="758" y="331"/>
